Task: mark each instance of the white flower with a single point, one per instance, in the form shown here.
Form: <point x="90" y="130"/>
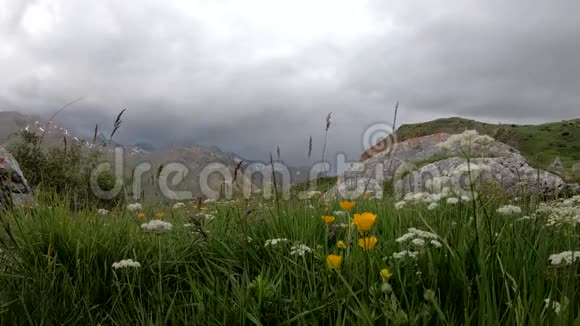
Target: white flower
<point x="419" y="237"/>
<point x="423" y="234"/>
<point x="187" y="225"/>
<point x="452" y="200"/>
<point x="405" y="253"/>
<point x="157" y="226"/>
<point x="465" y="198"/>
<point x="275" y="242"/>
<point x="209" y="201"/>
<point x="555" y="305"/>
<point x="509" y="210"/>
<point x="258" y="191"/>
<point x="560" y="214"/>
<point x="300" y="250"/>
<point x="435" y="243"/>
<point x="134" y="207"/>
<point x="565" y="257"/>
<point x="102" y="211"/>
<point x="178" y="205"/>
<point x="338" y="213"/>
<point x="125" y="263"/>
<point x="416" y="233"/>
<point x="400" y="204"/>
<point x="432" y="206"/>
<point x="418" y="242"/>
<point x="405" y="237"/>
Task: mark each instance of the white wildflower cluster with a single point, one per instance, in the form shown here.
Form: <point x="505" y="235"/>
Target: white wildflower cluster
<point x="178" y="205"/>
<point x="467" y="141"/>
<point x="509" y="210"/>
<point x="432" y="200"/>
<point x="420" y="198"/>
<point x="564" y="258"/>
<point x="275" y="242"/>
<point x="338" y="213"/>
<point x="452" y="200"/>
<point x="134" y="207"/>
<point x="432" y="206"/>
<point x="405" y="254"/>
<point x="157" y="226"/>
<point x="400" y="204"/>
<point x="418" y="242"/>
<point x="554" y="305"/>
<point x="300" y="250"/>
<point x="419" y="239"/>
<point x="413" y="234"/>
<point x="126" y="263"/>
<point x="102" y="211"/>
<point x="560" y="213"/>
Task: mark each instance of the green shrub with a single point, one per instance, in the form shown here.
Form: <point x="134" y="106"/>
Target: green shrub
<point x="63" y="170"/>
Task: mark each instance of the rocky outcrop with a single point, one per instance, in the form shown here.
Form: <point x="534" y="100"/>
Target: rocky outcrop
<point x="14" y="188"/>
<point x="512" y="173"/>
<point x="435" y="162"/>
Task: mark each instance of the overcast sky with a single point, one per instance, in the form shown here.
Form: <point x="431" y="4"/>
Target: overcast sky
<point x="249" y="75"/>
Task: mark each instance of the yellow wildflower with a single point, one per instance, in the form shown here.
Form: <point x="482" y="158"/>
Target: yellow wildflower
<point x="141" y="215"/>
<point x="333" y="261"/>
<point x="385" y="274"/>
<point x="341" y="245"/>
<point x="159" y="214"/>
<point x="347" y="205"/>
<point x="368" y="243"/>
<point x="328" y="219"/>
<point x="364" y="222"/>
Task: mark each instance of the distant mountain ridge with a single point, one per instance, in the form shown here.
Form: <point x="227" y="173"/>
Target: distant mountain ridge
<point x="195" y="157"/>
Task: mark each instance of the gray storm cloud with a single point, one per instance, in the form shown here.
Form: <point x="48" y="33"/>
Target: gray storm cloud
<point x="250" y="75"/>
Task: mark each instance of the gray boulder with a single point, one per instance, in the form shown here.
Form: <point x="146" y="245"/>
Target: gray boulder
<point x="13" y="185"/>
<point x="512" y="173"/>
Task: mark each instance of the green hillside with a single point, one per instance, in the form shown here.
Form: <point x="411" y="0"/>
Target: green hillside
<point x="540" y="144"/>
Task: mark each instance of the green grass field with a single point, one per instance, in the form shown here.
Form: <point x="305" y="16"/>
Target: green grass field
<point x="214" y="266"/>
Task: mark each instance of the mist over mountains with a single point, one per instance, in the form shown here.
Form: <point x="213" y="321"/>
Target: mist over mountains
<point x="194" y="155"/>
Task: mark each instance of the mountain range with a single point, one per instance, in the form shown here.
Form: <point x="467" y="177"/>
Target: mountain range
<point x="194" y="156"/>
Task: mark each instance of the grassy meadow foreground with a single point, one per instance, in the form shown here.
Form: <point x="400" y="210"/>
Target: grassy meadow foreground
<point x="430" y="259"/>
